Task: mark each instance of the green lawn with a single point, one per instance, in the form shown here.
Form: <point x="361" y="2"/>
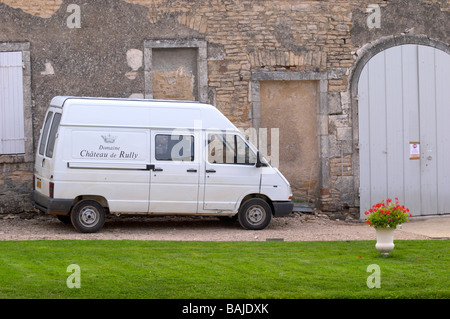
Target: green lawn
<point x="236" y="270"/>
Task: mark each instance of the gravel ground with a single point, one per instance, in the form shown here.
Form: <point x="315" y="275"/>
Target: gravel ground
<point x="297" y="227"/>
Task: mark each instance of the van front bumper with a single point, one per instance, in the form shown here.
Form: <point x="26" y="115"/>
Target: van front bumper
<point x="49" y="205"/>
<point x="281" y="209"/>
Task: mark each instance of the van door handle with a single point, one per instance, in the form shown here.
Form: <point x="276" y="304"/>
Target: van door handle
<point x="157" y="169"/>
<point x="43" y="162"/>
<point x="210" y="171"/>
<point x="191" y="170"/>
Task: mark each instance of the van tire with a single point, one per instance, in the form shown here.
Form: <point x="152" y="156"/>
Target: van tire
<point x="255" y="214"/>
<point x="88" y="216"/>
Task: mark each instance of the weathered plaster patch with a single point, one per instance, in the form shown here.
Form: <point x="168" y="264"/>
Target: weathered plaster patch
<point x="402" y="17"/>
<point x="136" y="96"/>
<point x="49" y="70"/>
<point x="135" y="61"/>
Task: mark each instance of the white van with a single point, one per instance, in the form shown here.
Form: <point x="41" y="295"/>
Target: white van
<point x="99" y="156"/>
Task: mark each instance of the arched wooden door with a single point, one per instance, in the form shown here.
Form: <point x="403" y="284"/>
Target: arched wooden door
<point x="404" y="129"/>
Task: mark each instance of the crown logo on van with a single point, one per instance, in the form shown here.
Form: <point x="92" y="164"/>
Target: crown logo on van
<point x="109" y="138"/>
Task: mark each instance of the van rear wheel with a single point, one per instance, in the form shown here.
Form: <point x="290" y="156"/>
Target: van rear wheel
<point x="255" y="214"/>
<point x="88" y="216"/>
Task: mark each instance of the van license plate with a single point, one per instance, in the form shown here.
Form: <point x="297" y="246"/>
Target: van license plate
<point x="38" y="184"/>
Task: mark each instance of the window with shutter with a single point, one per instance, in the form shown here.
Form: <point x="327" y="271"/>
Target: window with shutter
<point x="12" y="132"/>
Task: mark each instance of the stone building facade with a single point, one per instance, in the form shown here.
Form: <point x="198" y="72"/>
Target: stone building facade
<point x="286" y="68"/>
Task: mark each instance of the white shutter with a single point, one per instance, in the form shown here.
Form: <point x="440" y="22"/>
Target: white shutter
<point x="12" y="133"/>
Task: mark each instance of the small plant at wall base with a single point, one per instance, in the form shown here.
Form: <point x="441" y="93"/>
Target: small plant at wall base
<point x="387" y="214"/>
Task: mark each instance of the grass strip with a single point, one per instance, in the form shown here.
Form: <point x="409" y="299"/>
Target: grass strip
<point x="222" y="270"/>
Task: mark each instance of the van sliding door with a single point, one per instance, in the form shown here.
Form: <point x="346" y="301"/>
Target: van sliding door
<point x="175" y="177"/>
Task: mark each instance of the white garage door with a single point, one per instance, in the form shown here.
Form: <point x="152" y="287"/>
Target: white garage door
<point x="404" y="109"/>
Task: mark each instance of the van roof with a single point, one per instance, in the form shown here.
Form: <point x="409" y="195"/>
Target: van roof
<point x="58" y="101"/>
<point x="122" y="112"/>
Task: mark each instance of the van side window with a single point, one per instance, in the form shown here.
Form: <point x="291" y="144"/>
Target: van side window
<point x="174" y="147"/>
<point x="48" y="120"/>
<point x="52" y="136"/>
<point x="229" y="149"/>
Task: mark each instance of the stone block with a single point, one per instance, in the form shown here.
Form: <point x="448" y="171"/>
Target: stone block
<point x="344" y="133"/>
<point x="334" y="103"/>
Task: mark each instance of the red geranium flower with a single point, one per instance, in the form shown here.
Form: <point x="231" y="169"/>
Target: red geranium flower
<point x="387" y="214"/>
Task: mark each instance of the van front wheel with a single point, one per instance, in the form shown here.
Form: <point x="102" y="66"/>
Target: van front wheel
<point x="88" y="216"/>
<point x="255" y="214"/>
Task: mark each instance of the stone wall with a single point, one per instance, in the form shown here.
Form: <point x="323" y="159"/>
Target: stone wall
<point x="97" y="48"/>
